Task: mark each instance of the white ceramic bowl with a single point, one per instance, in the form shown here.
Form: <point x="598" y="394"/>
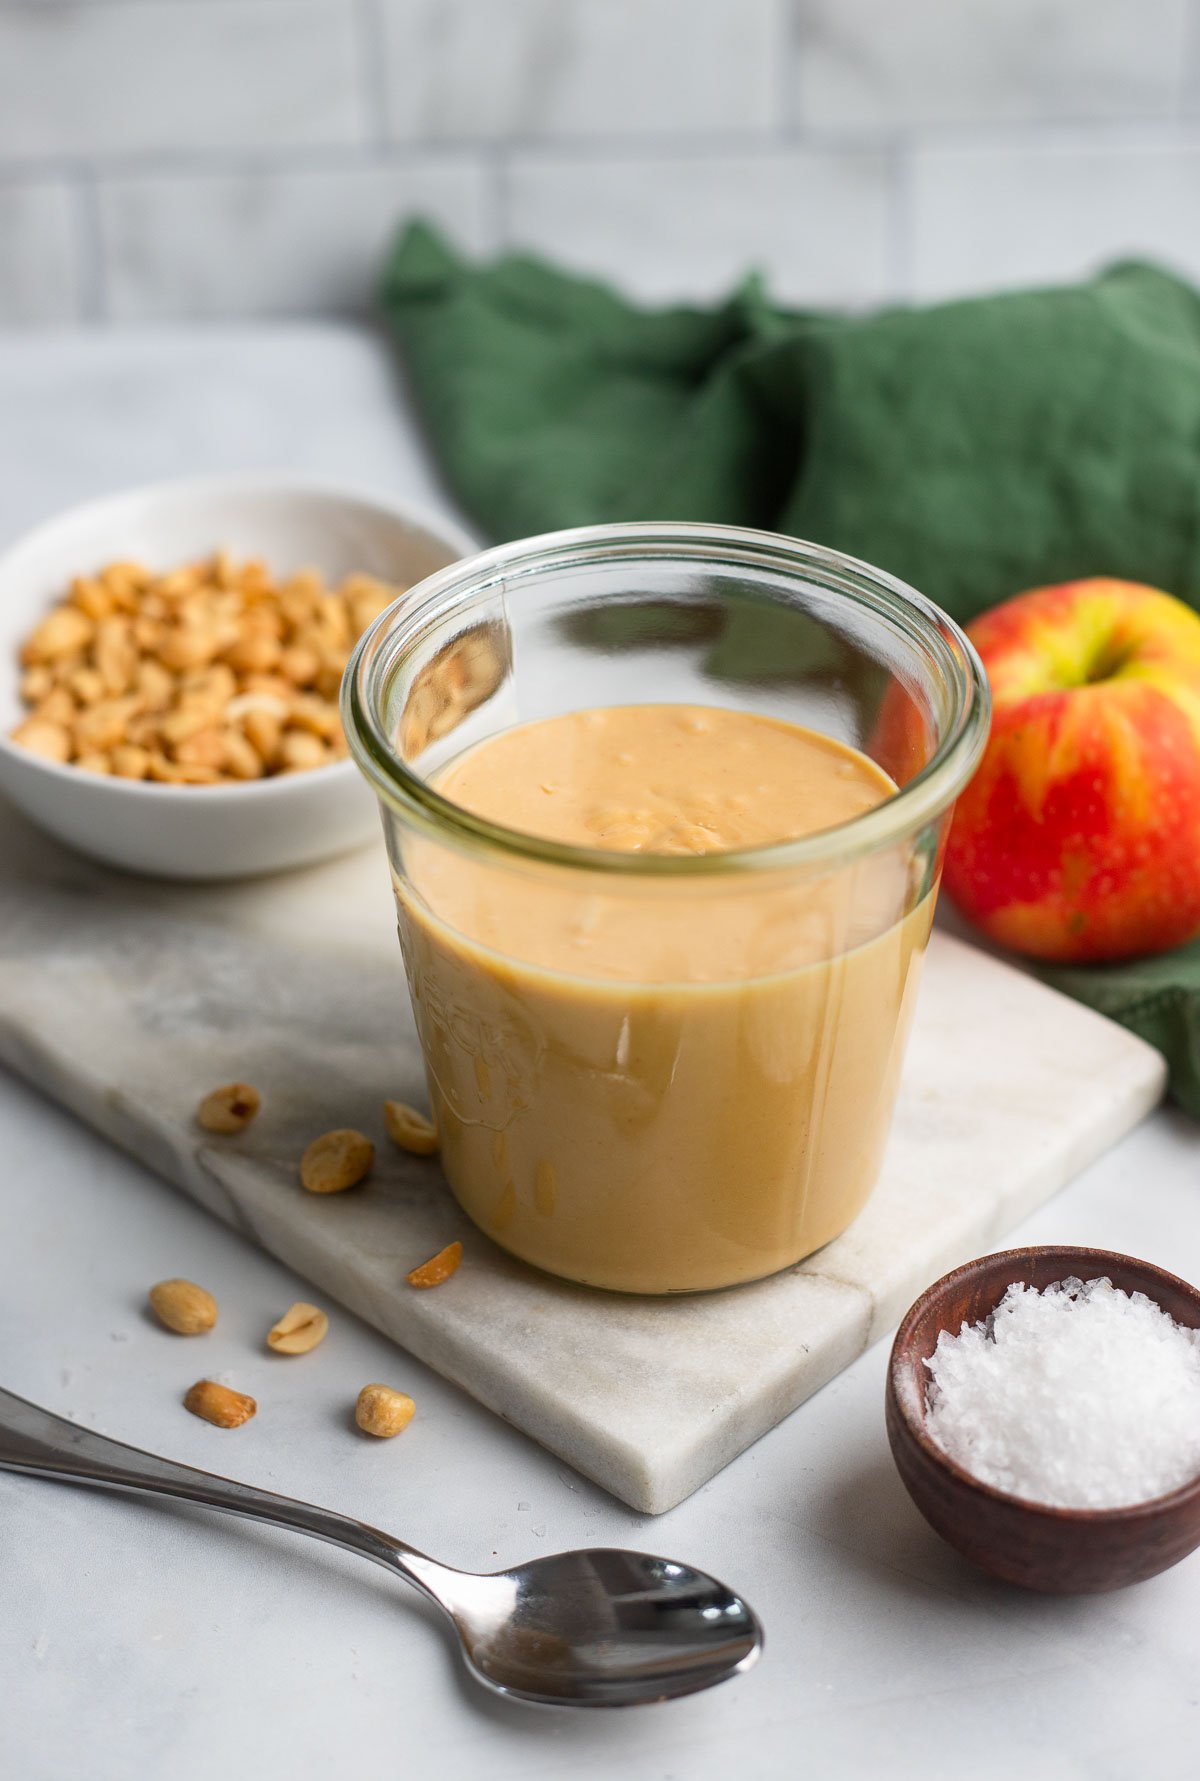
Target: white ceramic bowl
<point x="219" y="831"/>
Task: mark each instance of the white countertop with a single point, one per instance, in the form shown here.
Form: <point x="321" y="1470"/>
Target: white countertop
<point x="138" y="1639"/>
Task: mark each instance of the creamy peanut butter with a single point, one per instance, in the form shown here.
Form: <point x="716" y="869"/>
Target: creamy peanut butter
<point x="670" y="1084"/>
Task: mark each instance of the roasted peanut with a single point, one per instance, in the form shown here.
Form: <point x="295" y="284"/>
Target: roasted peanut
<point x="177" y="773"/>
<point x="299" y="751"/>
<point x="229" y="1108"/>
<point x="188" y="719"/>
<point x="103" y="725"/>
<point x="125" y="578"/>
<point x="58" y="707"/>
<point x="335" y="1161"/>
<point x="299" y="664"/>
<point x="409" y="1129"/>
<point x="239" y="756"/>
<point x="115" y="654"/>
<point x="365" y="599"/>
<point x="42" y="736"/>
<point x="85" y="686"/>
<point x="204" y="748"/>
<point x="154" y="683"/>
<point x="130" y="762"/>
<point x="383" y="1412"/>
<point x="331" y="621"/>
<point x="184" y="1307"/>
<point x="300" y="1328"/>
<point x="329" y="675"/>
<point x="142" y="731"/>
<point x="270" y="686"/>
<point x="263" y="732"/>
<point x="439" y="1267"/>
<point x="148" y="634"/>
<point x="61" y="633"/>
<point x="260" y="696"/>
<point x="218" y="1404"/>
<point x="36" y="683"/>
<point x="91" y="597"/>
<point x="253" y="654"/>
<point x="186" y="647"/>
<point x="311" y="713"/>
<point x="180" y="581"/>
<point x="214" y="687"/>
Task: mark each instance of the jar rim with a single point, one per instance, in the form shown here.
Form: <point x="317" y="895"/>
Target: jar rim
<point x="921" y="800"/>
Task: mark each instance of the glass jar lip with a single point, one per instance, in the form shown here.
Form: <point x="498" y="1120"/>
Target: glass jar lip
<point x="921" y="800"/>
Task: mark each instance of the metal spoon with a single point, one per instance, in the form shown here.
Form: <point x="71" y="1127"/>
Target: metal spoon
<point x="597" y="1628"/>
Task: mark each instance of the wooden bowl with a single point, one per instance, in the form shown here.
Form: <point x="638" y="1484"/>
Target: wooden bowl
<point x="1056" y="1551"/>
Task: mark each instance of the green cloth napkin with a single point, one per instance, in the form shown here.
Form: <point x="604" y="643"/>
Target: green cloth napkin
<point x="974" y="449"/>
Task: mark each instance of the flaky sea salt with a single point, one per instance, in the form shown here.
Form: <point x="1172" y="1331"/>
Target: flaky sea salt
<point x="1081" y="1396"/>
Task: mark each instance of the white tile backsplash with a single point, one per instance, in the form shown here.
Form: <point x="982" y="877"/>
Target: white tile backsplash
<point x="1007" y="215"/>
<point x="886" y="65"/>
<point x="690" y="226"/>
<point x="170" y="76"/>
<point x="39" y="282"/>
<point x="273" y="243"/>
<point x="175" y="158"/>
<point x="495" y="69"/>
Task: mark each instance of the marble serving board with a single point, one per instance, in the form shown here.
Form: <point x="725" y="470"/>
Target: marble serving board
<point x="127" y="1000"/>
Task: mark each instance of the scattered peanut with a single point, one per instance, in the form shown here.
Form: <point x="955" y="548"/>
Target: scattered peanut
<point x="335" y="1161"/>
<point x="382" y="1411"/>
<point x="230" y="1108"/>
<point x="410" y="1129"/>
<point x="300" y="1328"/>
<point x="439" y="1267"/>
<point x="218" y="1404"/>
<point x="183" y="1306"/>
<point x="212" y="673"/>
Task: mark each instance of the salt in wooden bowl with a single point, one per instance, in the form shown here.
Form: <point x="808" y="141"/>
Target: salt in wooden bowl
<point x="1056" y="1551"/>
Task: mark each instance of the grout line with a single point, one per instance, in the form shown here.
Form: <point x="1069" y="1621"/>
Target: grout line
<point x="497" y="173"/>
<point x="629" y="147"/>
<point x="159" y="168"/>
<point x="1130" y="134"/>
<point x="1187" y="98"/>
<point x="42" y="7"/>
<point x="89" y="248"/>
<point x="369" y="34"/>
<point x="787" y="49"/>
<point x="900" y="223"/>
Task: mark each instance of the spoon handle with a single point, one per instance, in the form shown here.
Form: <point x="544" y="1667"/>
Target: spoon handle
<point x="34" y="1441"/>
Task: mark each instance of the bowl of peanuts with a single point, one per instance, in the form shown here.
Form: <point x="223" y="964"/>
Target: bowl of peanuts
<point x="170" y="660"/>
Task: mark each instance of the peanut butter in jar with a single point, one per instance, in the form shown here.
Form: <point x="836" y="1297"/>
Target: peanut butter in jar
<point x="672" y="1082"/>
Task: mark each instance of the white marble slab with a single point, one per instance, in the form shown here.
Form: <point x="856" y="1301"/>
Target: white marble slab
<point x="126" y="1001"/>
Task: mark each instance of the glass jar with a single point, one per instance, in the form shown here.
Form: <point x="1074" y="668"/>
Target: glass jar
<point x="710" y="1103"/>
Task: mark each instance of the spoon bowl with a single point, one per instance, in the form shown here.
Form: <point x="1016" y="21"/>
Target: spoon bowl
<point x="604" y="1627"/>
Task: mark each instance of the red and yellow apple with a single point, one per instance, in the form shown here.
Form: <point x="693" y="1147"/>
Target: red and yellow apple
<point x="1079" y="836"/>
